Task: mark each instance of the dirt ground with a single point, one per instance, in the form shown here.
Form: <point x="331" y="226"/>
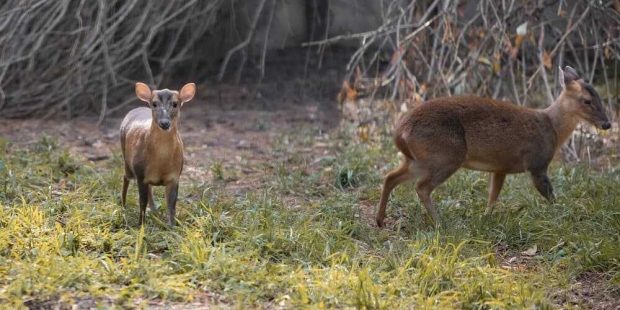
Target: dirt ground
<point x="223" y="126"/>
<point x="236" y="128"/>
<point x="241" y="137"/>
<point x="220" y="127"/>
<point x="228" y="125"/>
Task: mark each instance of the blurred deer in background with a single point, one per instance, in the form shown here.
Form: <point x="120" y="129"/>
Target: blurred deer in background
<point x="371" y="116"/>
<point x="367" y="115"/>
<point x="445" y="134"/>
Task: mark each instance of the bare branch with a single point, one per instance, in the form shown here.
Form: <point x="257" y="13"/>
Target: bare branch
<point x="244" y="43"/>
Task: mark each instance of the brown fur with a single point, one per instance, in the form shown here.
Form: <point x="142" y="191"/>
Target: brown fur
<point x="445" y="134"/>
<point x="153" y="155"/>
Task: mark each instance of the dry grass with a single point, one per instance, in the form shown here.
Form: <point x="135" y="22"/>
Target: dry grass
<point x="301" y="237"/>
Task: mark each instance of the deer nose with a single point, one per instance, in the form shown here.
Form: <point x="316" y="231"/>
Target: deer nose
<point x="606" y="125"/>
<point x="165" y="124"/>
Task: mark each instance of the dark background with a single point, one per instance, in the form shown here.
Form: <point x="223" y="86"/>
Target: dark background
<point x="69" y="58"/>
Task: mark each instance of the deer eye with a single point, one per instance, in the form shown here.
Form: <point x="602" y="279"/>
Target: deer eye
<point x="174" y="105"/>
<point x="587" y="101"/>
<point x="154" y="105"/>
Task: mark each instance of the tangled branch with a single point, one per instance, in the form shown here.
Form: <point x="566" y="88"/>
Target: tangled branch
<point x="72" y="56"/>
<point x="501" y="49"/>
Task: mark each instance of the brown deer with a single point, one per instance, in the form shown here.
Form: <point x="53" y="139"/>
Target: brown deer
<point x="152" y="147"/>
<point x="442" y="135"/>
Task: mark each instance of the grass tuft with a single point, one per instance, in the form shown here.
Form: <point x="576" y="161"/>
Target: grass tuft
<point x="64" y="237"/>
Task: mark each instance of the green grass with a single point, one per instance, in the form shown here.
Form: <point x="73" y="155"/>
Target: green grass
<point x="65" y="238"/>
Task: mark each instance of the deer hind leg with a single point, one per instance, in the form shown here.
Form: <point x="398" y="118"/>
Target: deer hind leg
<point x="495" y="187"/>
<point x="433" y="175"/>
<point x="392" y="179"/>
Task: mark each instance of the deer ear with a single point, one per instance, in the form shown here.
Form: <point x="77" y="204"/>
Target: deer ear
<point x="569" y="71"/>
<point x="567" y="76"/>
<point x="351" y="93"/>
<point x="561" y="77"/>
<point x="187" y="92"/>
<point x="143" y="92"/>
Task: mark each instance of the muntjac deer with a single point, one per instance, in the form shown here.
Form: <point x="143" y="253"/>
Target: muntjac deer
<point x="152" y="147"/>
<point x="442" y="135"/>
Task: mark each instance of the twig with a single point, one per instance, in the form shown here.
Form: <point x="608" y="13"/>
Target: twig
<point x="266" y="40"/>
<point x="244" y="43"/>
<point x="541" y="51"/>
<point x="570" y="29"/>
<point x="104" y="103"/>
<point x="70" y="49"/>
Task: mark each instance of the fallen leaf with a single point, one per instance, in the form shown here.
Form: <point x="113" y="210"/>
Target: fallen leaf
<point x="521" y="32"/>
<point x="484" y="60"/>
<point x="496" y="64"/>
<point x="607" y="52"/>
<point x="397" y="56"/>
<point x="403" y="107"/>
<point x="497" y="67"/>
<point x="448" y="34"/>
<point x="423" y="88"/>
<point x="518" y="41"/>
<point x="531" y="251"/>
<point x="416" y="99"/>
<point x="363" y="132"/>
<point x="522" y="29"/>
<point x="546" y="60"/>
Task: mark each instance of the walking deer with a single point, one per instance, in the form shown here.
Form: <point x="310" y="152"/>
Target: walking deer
<point x="152" y="147"/>
<point x="442" y="135"/>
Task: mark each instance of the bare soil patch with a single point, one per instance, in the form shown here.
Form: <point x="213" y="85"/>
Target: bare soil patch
<point x="238" y="139"/>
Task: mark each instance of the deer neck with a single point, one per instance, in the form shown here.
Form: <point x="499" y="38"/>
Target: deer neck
<point x="159" y="138"/>
<point x="563" y="121"/>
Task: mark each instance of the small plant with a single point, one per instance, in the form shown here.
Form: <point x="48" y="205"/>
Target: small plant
<point x="64" y="239"/>
<point x="217" y="169"/>
<point x="346" y="178"/>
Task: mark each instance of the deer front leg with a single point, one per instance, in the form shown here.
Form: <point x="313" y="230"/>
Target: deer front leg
<point x="151" y="201"/>
<point x="143" y="193"/>
<point x="171" y="199"/>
